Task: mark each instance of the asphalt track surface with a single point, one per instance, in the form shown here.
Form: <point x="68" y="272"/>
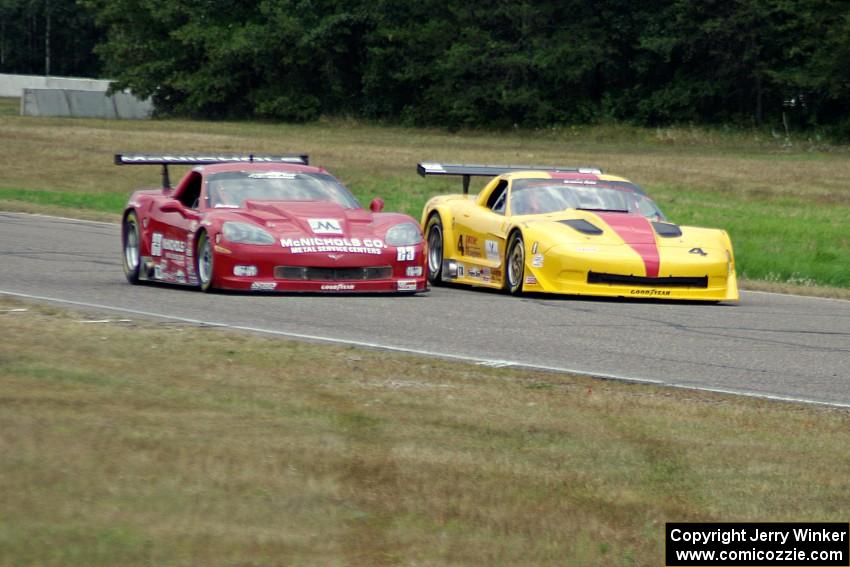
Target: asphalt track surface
<point x="768" y="345"/>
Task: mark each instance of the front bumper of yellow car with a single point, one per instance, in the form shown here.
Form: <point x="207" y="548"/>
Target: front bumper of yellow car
<point x="615" y="271"/>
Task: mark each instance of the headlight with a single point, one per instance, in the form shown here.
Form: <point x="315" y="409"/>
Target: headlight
<point x="405" y="234"/>
<point x="245" y="233"/>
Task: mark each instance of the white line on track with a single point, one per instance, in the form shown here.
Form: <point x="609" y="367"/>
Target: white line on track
<point x="83" y="221"/>
<point x="496" y="363"/>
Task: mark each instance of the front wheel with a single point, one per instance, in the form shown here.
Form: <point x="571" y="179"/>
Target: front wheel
<point x="130" y="241"/>
<point x="434" y="231"/>
<point x="206" y="262"/>
<point x="515" y="264"/>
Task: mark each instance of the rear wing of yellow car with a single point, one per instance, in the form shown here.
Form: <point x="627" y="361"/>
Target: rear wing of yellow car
<point x="203" y="159"/>
<point x="470" y="170"/>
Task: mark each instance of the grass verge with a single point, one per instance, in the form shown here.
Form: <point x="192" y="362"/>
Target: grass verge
<point x="137" y="443"/>
<point x="784" y="201"/>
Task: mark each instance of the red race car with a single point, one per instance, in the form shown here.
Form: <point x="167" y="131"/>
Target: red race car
<point x="265" y="223"/>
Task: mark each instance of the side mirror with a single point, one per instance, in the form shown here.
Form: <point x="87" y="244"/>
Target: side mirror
<point x="377" y="205"/>
<point x="172" y="206"/>
<point x="175" y="206"/>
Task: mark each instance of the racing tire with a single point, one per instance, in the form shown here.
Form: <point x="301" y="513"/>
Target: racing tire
<point x="515" y="264"/>
<point x="205" y="262"/>
<point x="131" y="245"/>
<point x="434" y="236"/>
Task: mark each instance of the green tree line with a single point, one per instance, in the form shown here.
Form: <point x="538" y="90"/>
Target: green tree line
<point x="47" y="37"/>
<point x="495" y="63"/>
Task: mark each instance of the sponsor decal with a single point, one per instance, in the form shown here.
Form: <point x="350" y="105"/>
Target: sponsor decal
<point x="222" y="250"/>
<point x="193" y="226"/>
<point x="347" y="245"/>
<point x="537" y="261"/>
<point x="468" y="246"/>
<point x="530" y="280"/>
<point x="405" y="253"/>
<point x="492" y="248"/>
<point x="272" y="175"/>
<point x="534" y="247"/>
<point x="497" y="273"/>
<point x="325" y="226"/>
<point x="337" y="287"/>
<point x="413" y="271"/>
<point x="156" y="244"/>
<point x="699" y="251"/>
<point x="460" y="270"/>
<point x="264" y="286"/>
<point x="580" y="181"/>
<point x="587" y="249"/>
<point x="173" y="271"/>
<point x="406" y="285"/>
<point x="474" y="273"/>
<point x="650" y="292"/>
<point x="485" y="274"/>
<point x="178" y="259"/>
<point x="433" y="167"/>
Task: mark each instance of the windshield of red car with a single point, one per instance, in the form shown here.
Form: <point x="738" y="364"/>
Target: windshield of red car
<point x="536" y="196"/>
<point x="231" y="189"/>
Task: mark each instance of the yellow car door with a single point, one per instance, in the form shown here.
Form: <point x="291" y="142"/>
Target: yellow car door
<point x="480" y="230"/>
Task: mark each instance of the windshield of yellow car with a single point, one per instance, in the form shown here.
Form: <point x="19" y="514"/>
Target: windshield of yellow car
<point x="231" y="189"/>
<point x="537" y="196"/>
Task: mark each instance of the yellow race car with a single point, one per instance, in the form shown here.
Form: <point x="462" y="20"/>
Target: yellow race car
<point x="571" y="231"/>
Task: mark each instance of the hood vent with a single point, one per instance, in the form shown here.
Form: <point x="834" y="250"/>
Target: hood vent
<point x="666" y="229"/>
<point x="583" y="226"/>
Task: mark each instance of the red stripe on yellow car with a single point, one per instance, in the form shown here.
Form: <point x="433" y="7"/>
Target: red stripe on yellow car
<point x="637" y="232"/>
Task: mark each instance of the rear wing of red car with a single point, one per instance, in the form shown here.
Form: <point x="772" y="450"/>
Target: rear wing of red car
<point x="472" y="170"/>
<point x="203" y="159"/>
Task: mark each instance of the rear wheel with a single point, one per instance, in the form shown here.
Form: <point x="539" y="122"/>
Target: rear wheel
<point x="130" y="241"/>
<point x="434" y="231"/>
<point x="515" y="264"/>
<point x="206" y="262"/>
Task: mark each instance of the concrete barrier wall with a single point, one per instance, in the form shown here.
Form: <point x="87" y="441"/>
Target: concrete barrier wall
<point x="13" y="85"/>
<point x="83" y="104"/>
